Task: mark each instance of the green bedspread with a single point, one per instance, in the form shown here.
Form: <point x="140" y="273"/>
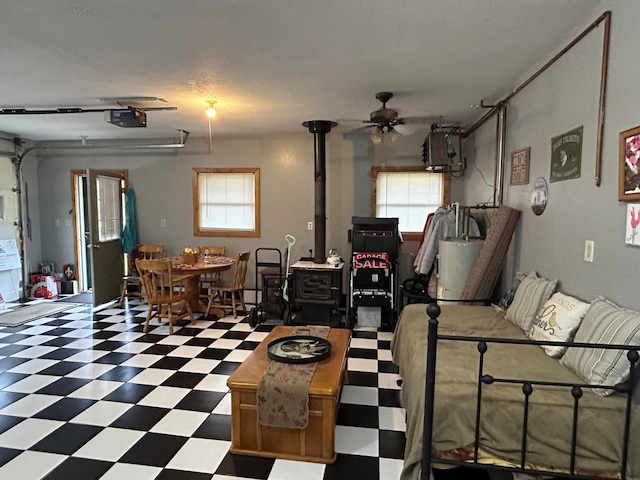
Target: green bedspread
<point x="600" y="424"/>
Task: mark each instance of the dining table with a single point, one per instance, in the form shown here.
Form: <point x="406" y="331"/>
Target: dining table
<point x="196" y="267"/>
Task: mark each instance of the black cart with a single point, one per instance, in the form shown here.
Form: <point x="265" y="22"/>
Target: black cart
<point x="270" y="281"/>
<point x="375" y="247"/>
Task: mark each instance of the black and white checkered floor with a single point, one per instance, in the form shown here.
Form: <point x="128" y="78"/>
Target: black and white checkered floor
<point x="87" y="395"/>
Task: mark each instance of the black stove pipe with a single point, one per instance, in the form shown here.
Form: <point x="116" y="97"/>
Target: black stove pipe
<point x="320" y="128"/>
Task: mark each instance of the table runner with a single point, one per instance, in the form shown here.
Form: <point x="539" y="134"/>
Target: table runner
<point x="283" y="391"/>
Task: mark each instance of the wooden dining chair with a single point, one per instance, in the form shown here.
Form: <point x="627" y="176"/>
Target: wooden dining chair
<point x="164" y="291"/>
<point x="228" y="293"/>
<point x="144" y="252"/>
<point x="211" y="250"/>
<point x="209" y="279"/>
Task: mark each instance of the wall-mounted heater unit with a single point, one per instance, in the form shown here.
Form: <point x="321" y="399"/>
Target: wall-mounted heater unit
<point x="435" y="151"/>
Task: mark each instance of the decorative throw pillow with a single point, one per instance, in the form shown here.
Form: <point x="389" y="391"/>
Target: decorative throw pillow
<point x="557" y="321"/>
<point x="531" y="294"/>
<point x="604" y="323"/>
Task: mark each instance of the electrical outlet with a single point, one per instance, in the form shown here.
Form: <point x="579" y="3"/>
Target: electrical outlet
<point x="588" y="250"/>
<point x="310" y="225"/>
<point x="163" y="223"/>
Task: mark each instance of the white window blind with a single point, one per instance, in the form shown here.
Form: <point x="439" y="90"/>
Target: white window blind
<point x="109" y="220"/>
<point x="409" y="196"/>
<point x="227" y="201"/>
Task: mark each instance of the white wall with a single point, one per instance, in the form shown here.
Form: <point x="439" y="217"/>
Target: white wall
<point x="564" y="97"/>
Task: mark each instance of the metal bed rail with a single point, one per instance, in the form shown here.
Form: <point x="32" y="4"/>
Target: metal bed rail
<point x="527" y="386"/>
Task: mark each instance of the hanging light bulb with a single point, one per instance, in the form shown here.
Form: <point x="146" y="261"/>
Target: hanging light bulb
<point x="211" y="112"/>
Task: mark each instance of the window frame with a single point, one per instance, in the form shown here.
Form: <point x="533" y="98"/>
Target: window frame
<point x="198" y="231"/>
<point x="375" y="170"/>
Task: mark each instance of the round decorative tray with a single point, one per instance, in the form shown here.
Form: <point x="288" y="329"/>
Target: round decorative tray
<point x="299" y="349"/>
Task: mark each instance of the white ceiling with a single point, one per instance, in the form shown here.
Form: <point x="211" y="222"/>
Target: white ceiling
<point x="269" y="64"/>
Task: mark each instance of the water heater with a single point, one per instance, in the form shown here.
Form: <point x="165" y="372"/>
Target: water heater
<point x="454" y="262"/>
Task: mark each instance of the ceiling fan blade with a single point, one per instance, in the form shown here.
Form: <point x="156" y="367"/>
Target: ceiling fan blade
<point x="352" y="120"/>
<point x="365" y="128"/>
<point x="420" y="120"/>
<point x="404" y="129"/>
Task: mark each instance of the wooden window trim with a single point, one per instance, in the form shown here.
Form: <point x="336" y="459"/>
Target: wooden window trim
<point x="197" y="232"/>
<point x="446" y="191"/>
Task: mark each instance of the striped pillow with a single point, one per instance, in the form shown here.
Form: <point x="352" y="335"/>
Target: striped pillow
<point x="605" y="323"/>
<point x="529" y="298"/>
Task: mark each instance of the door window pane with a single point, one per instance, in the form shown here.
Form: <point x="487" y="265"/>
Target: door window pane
<point x="109" y="219"/>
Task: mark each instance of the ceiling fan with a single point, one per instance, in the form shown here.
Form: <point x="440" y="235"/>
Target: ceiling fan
<point x="385" y="120"/>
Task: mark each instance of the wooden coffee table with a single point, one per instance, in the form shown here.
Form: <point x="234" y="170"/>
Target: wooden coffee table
<point x="316" y="442"/>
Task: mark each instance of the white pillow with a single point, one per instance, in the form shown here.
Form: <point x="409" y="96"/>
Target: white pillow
<point x="557" y="321"/>
<point x="604" y="323"/>
<point x="529" y="298"/>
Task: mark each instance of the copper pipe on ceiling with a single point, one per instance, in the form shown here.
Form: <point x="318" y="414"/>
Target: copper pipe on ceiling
<point x="502" y="118"/>
<point x="603" y="94"/>
<point x="499" y="163"/>
<point x="606" y="18"/>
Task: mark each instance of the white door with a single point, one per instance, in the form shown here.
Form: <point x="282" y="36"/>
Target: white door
<point x="105" y="231"/>
<point x="10" y="261"/>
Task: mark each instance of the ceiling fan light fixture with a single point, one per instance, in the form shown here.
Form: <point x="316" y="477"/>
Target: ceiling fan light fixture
<point x="393" y="134"/>
<point x="377" y="135"/>
<point x="211" y="112"/>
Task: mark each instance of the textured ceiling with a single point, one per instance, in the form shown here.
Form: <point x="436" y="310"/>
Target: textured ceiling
<point x="269" y="64"/>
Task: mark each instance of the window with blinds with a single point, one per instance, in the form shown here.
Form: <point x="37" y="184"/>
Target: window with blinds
<point x="226" y="202"/>
<point x="109" y="215"/>
<point x="408" y="195"/>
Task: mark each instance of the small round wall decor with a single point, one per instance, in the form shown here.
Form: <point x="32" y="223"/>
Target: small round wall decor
<point x="539" y="195"/>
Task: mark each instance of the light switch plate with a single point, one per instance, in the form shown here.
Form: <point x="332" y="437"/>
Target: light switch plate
<point x="588" y="250"/>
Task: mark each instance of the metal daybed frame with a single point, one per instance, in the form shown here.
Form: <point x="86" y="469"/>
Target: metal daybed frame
<point x="433" y="311"/>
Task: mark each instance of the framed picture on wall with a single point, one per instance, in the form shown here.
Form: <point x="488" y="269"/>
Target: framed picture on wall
<point x="520" y="166"/>
<point x="566" y="155"/>
<point x="632" y="235"/>
<point x="629" y="169"/>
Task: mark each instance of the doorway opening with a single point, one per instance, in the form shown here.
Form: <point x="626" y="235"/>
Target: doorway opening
<point x="11" y="277"/>
<point x="80" y="209"/>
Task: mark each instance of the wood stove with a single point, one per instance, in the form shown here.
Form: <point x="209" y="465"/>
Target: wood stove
<point x="317" y="291"/>
<point x="316" y="286"/>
